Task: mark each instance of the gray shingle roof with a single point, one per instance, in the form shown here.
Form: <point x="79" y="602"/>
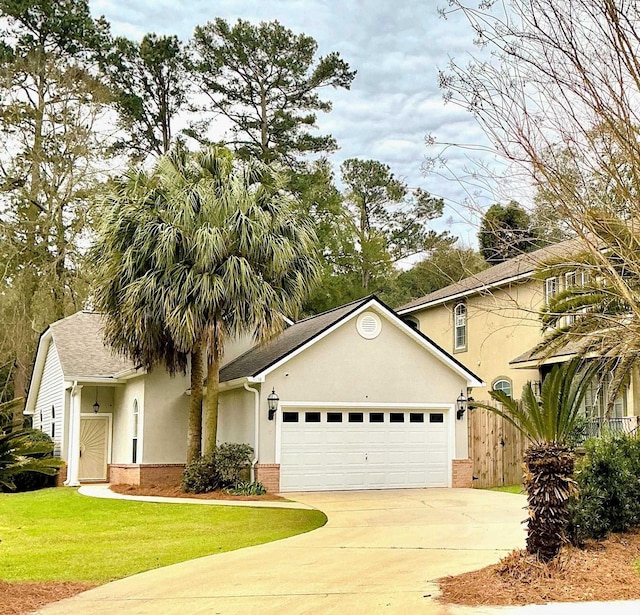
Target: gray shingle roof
<point x="494" y="276"/>
<point x="82" y="353"/>
<point x="258" y="358"/>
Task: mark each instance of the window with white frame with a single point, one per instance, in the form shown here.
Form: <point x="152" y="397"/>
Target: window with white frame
<point x="135" y="427"/>
<point x="460" y="327"/>
<point x="550" y="289"/>
<point x="595" y="400"/>
<point x="502" y="384"/>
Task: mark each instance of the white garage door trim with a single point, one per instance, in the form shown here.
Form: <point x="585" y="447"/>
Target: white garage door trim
<point x="447" y="408"/>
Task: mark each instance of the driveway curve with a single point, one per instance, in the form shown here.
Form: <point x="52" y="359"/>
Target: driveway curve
<point x="380" y="552"/>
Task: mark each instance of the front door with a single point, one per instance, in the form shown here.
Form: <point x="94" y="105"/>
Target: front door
<point x="94" y="447"/>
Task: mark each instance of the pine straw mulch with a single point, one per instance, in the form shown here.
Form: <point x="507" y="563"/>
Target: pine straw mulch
<point x="175" y="492"/>
<point x="603" y="570"/>
<point x="22" y="598"/>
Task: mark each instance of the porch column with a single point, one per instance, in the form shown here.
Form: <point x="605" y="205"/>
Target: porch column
<point x="73" y="458"/>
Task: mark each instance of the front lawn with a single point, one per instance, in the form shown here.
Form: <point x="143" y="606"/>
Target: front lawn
<point x="60" y="535"/>
<point x="517" y="489"/>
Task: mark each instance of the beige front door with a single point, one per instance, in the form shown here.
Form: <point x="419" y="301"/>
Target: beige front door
<point x="94" y="447"/>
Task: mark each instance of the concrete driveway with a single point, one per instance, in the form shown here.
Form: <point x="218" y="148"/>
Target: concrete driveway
<point x="379" y="553"/>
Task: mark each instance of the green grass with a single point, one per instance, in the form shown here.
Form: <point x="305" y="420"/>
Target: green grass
<point x="509" y="489"/>
<point x="60" y="535"/>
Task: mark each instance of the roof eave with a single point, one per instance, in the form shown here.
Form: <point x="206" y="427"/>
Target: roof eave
<point x="466" y="293"/>
<point x="38" y="367"/>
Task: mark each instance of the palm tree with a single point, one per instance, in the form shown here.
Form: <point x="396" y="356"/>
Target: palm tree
<point x="19" y="453"/>
<point x="204" y="249"/>
<point x="548" y="424"/>
<point x="597" y="313"/>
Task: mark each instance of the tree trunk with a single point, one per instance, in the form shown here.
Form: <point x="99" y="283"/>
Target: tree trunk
<point x="549" y="485"/>
<point x="213" y="392"/>
<point x="194" y="433"/>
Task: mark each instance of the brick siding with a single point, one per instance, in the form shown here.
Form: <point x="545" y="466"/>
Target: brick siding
<point x="269" y="475"/>
<point x="146" y="475"/>
<point x="462" y="473"/>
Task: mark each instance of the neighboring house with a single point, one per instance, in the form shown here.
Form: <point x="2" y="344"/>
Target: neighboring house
<point x="364" y="401"/>
<point x="490" y="323"/>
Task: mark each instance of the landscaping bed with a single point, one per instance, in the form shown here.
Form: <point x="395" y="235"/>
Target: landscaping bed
<point x="603" y="570"/>
<point x="176" y="492"/>
<point x="22" y="598"/>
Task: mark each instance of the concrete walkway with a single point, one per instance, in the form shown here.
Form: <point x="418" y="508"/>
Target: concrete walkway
<point x="101" y="490"/>
<point x="380" y="552"/>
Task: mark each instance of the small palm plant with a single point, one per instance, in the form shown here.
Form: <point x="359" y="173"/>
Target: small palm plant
<point x="548" y="423"/>
<point x="20" y="454"/>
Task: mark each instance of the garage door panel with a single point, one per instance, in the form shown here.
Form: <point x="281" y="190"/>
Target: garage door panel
<point x="364" y="455"/>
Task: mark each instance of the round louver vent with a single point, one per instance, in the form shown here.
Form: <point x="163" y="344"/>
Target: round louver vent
<point x="369" y="325"/>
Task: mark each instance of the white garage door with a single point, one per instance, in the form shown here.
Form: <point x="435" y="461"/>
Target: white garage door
<point x="363" y="449"/>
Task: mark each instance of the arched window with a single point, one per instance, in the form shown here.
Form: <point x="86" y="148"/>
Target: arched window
<point x="502" y="384"/>
<point x="460" y="327"/>
<point x="136" y="425"/>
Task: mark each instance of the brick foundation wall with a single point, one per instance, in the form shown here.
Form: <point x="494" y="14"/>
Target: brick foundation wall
<point x="161" y="474"/>
<point x="146" y="475"/>
<point x="462" y="473"/>
<point x="123" y="474"/>
<point x="269" y="475"/>
<point x="61" y="476"/>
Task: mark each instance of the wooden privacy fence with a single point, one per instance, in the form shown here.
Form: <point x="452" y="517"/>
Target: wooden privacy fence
<point x="496" y="448"/>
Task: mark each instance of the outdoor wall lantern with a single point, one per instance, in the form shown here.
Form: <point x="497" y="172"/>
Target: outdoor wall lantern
<point x="272" y="403"/>
<point x="96" y="406"/>
<point x="461" y="404"/>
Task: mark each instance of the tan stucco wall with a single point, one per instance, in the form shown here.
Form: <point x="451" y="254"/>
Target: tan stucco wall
<point x="235" y="417"/>
<point x="105" y="399"/>
<point x="344" y="367"/>
<point x="124" y="397"/>
<point x="501" y="325"/>
<point x="166" y="416"/>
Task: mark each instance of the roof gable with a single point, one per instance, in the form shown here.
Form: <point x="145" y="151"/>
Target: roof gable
<point x="264" y="358"/>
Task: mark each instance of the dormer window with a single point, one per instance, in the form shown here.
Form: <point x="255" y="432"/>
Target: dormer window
<point x="460" y="327"/>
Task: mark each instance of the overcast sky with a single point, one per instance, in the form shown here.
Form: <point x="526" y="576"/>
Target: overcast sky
<point x="397" y="49"/>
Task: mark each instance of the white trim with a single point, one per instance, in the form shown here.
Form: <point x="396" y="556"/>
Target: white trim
<point x="236" y="383"/>
<point x="136" y="416"/>
<point x="38" y="369"/>
<point x="92" y="380"/>
<point x="278" y="443"/>
<point x="466" y="293"/>
<point x="73" y="453"/>
<point x="365" y="404"/>
<point x="375" y="305"/>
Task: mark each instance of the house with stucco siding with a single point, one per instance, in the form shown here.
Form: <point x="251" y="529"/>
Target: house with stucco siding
<point x="364" y="401"/>
<point x="491" y="323"/>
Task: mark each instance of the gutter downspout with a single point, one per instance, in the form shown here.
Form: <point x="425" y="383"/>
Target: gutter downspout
<point x="256" y="433"/>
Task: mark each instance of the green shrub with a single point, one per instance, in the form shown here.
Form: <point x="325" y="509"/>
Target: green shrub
<point x="246" y="488"/>
<point x="200" y="476"/>
<point x="225" y="468"/>
<point x="32" y="481"/>
<point x="608" y="480"/>
<point x="232" y="460"/>
<point x="23" y="452"/>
